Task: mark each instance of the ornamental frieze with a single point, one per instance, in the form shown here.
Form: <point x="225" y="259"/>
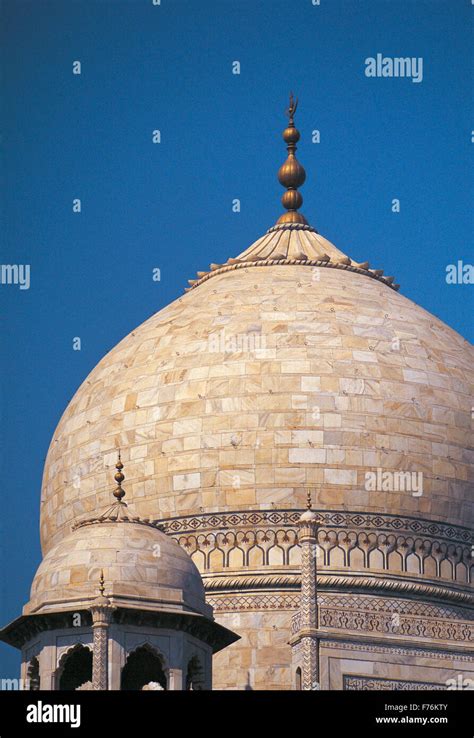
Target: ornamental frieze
<point x="408" y="650"/>
<point x="239" y="602"/>
<point x="395" y="624"/>
<point x="375" y="683"/>
<point x="334" y="518"/>
<point x="259" y="539"/>
<point x="390" y="617"/>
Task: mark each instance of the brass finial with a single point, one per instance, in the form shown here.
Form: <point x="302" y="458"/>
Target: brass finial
<point x="308" y="500"/>
<point x="101" y="608"/>
<point x="291" y="174"/>
<point x="101" y="585"/>
<point x="119" y="477"/>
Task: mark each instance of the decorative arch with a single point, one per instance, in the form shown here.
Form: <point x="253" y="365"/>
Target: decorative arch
<point x="357" y="558"/>
<point x="337" y="557"/>
<point x="298" y="679"/>
<point x="294" y="554"/>
<point x="430" y="568"/>
<point x="33" y="674"/>
<point x="74" y="668"/>
<point x="195" y="678"/>
<point x="199" y="559"/>
<point x="413" y="563"/>
<point x="276" y="555"/>
<point x="215" y="559"/>
<point x="376" y="559"/>
<point x="255" y="557"/>
<point x="285" y="539"/>
<point x="235" y="558"/>
<point x="395" y="561"/>
<point x="446" y="569"/>
<point x="143" y="665"/>
<point x="188" y="543"/>
<point x="404" y="552"/>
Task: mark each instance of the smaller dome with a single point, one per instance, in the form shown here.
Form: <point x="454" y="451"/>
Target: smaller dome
<point x="143" y="569"/>
<point x="308" y="517"/>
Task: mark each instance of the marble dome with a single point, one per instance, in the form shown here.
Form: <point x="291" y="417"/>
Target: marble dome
<point x="290" y="377"/>
<point x="142" y="566"/>
<point x="289" y="367"/>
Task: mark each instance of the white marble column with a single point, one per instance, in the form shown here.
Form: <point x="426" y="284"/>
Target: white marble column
<point x="101" y="610"/>
<point x="309" y="643"/>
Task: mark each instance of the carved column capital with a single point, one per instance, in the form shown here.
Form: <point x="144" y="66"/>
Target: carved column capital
<point x="101" y="614"/>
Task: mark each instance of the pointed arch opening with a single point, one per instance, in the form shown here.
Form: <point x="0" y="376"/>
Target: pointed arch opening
<point x="75" y="668"/>
<point x="194" y="674"/>
<point x="33" y="675"/>
<point x="298" y="679"/>
<point x="144" y="666"/>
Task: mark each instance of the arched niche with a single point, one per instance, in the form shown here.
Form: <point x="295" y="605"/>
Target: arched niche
<point x="376" y="559"/>
<point x="194" y="674"/>
<point x="356" y="558"/>
<point x="429" y="567"/>
<point x="461" y="572"/>
<point x="294" y="556"/>
<point x="143" y="666"/>
<point x="337" y="558"/>
<point x="216" y="559"/>
<point x="276" y="556"/>
<point x="75" y="668"/>
<point x="33" y="674"/>
<point x="256" y="557"/>
<point x="446" y="569"/>
<point x="199" y="559"/>
<point x="413" y="564"/>
<point x="298" y="681"/>
<point x="395" y="561"/>
<point x="235" y="558"/>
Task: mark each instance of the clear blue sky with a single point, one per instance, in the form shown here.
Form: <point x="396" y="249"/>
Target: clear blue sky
<point x="169" y="205"/>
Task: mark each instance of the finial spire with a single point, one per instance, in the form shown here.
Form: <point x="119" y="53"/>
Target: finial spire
<point x="291" y="174"/>
<point x="101" y="585"/>
<point x="119" y="477"/>
<point x="308" y="517"/>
